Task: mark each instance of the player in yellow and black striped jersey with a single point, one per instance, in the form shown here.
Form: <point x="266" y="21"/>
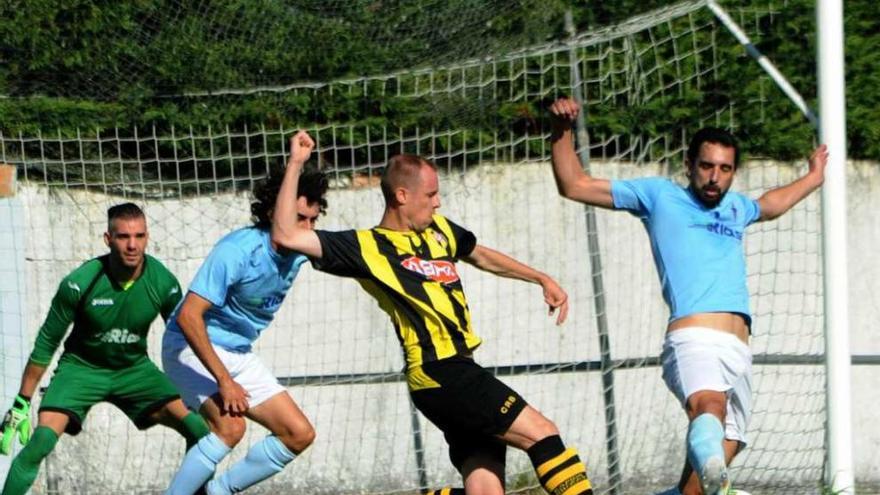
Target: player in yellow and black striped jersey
<point x="414" y="278"/>
<point x="407" y="263"/>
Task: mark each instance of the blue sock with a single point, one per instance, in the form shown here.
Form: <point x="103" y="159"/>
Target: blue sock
<point x="704" y="441"/>
<point x="198" y="465"/>
<point x="265" y="458"/>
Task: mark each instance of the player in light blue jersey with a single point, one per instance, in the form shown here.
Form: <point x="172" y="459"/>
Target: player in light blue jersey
<point x="207" y="353"/>
<point x="696" y="235"/>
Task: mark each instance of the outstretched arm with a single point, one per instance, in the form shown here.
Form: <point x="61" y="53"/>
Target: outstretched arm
<point x="285" y="229"/>
<point x="191" y="320"/>
<point x="571" y="180"/>
<point x="777" y="201"/>
<point x="502" y="265"/>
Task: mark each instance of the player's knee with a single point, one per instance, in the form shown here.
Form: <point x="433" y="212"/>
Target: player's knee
<point x="484" y="485"/>
<point x="482" y="476"/>
<point x="299" y="439"/>
<point x="231" y="430"/>
<point x="530" y="427"/>
<point x="544" y="427"/>
<point x="707" y="401"/>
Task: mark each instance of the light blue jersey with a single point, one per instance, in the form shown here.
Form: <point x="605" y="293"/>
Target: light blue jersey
<point x="698" y="251"/>
<point x="246" y="281"/>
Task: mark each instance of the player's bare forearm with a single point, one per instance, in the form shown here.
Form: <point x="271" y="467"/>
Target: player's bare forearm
<point x="191" y="321"/>
<point x="284" y="225"/>
<point x="286" y="231"/>
<point x="571" y="180"/>
<point x="502" y="265"/>
<point x="777" y="201"/>
<point x="30" y="378"/>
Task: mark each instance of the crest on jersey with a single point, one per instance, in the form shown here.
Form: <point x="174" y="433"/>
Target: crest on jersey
<point x="436" y="270"/>
<point x="439" y="237"/>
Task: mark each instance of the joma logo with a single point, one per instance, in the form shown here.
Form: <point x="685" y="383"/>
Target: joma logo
<point x="102" y="302"/>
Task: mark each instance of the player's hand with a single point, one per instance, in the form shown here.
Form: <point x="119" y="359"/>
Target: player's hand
<point x="233" y="397"/>
<point x="556" y="299"/>
<point x="301" y="146"/>
<point x="818" y="160"/>
<point x="564" y="111"/>
<point x="16" y="422"/>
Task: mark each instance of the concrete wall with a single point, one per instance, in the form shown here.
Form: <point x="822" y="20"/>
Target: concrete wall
<point x="330" y="327"/>
<point x="13" y="341"/>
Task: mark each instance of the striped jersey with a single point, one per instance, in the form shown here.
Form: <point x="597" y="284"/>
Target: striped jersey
<point x="413" y="277"/>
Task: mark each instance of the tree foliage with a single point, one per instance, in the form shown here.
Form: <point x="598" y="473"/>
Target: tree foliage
<point x="92" y="65"/>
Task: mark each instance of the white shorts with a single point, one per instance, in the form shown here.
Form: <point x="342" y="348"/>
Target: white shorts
<point x="195" y="382"/>
<point x="698" y="358"/>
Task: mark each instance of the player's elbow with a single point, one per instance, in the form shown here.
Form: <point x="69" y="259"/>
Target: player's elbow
<point x="563" y="189"/>
<point x="283" y="238"/>
<point x="766" y="216"/>
<point x="771" y="210"/>
<point x="183" y="321"/>
<point x="188" y="319"/>
<point x="570" y="188"/>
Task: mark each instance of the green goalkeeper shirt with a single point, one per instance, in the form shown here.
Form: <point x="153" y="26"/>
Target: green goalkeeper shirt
<point x="110" y="322"/>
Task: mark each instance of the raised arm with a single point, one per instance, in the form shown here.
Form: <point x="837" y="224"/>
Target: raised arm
<point x="777" y="201"/>
<point x="191" y="320"/>
<point x="285" y="229"/>
<point x="571" y="180"/>
<point x="502" y="265"/>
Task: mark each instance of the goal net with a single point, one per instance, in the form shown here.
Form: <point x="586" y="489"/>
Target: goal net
<point x="479" y="114"/>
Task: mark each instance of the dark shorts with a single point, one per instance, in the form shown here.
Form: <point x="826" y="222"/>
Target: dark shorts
<point x="138" y="390"/>
<point x="471" y="407"/>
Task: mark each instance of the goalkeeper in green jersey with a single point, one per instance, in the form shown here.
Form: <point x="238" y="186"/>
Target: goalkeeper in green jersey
<point x="111" y="301"/>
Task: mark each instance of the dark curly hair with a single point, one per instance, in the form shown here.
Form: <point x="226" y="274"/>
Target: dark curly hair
<point x="313" y="184"/>
<point x="711" y="135"/>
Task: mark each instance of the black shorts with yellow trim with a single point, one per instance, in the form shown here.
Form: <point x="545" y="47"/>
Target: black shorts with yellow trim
<point x="469" y="404"/>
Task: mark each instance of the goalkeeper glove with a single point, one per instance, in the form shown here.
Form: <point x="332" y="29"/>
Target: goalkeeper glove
<point x="17" y="420"/>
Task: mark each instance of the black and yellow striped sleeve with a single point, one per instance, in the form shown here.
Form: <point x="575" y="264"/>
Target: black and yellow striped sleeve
<point x="341" y="254"/>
